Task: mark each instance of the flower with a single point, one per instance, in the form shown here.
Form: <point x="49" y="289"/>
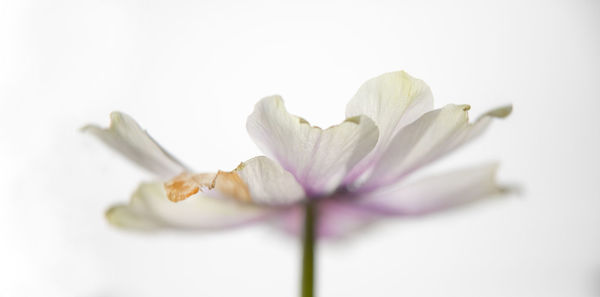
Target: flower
<point x="356" y="171"/>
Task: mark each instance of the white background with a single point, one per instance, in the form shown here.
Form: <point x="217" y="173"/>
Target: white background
<point x="191" y="71"/>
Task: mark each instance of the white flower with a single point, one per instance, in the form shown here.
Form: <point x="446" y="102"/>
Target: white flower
<point x="354" y="171"/>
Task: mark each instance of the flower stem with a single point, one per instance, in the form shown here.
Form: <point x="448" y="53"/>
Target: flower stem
<point x="308" y="256"/>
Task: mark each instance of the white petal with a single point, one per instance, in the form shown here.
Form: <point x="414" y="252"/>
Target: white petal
<point x="259" y="180"/>
<point x="392" y="100"/>
<point x="269" y="183"/>
<point x="430" y="137"/>
<point x="150" y="209"/>
<point x="435" y="193"/>
<point x="319" y="159"/>
<point x="127" y="137"/>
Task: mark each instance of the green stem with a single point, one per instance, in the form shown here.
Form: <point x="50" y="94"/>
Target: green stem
<point x="308" y="256"/>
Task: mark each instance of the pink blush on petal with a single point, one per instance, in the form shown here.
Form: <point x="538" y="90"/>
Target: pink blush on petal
<point x="336" y="219"/>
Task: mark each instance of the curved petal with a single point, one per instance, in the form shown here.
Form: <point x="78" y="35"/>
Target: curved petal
<point x="337" y="219"/>
<point x="319" y="159"/>
<point x="150" y="209"/>
<point x="269" y="183"/>
<point x="430" y="137"/>
<point x="259" y="180"/>
<point x="127" y="137"/>
<point x="436" y="193"/>
<point x="392" y="100"/>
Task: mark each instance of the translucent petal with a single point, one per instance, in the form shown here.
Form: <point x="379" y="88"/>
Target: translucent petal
<point x="150" y="209"/>
<point x="432" y="136"/>
<point x="435" y="193"/>
<point x="127" y="137"/>
<point x="319" y="159"/>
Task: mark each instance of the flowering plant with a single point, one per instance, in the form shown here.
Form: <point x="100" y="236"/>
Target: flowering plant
<point x="315" y="182"/>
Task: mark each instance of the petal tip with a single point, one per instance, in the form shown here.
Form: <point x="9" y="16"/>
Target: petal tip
<point x="111" y="212"/>
<point x="123" y="216"/>
<point x="277" y="100"/>
<point x="118" y="215"/>
<point x="116" y="115"/>
<point x="500" y="112"/>
<point x="87" y="128"/>
<point x="354" y="119"/>
<point x="506" y="189"/>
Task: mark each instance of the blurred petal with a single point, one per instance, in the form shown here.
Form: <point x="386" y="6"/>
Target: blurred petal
<point x="392" y="100"/>
<point x="319" y="159"/>
<point x="435" y="193"/>
<point x="430" y="137"/>
<point x="150" y="209"/>
<point x="337" y="219"/>
<point x="269" y="183"/>
<point x="259" y="180"/>
<point x="127" y="137"/>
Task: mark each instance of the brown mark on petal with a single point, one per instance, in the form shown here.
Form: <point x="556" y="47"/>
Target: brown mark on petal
<point x="231" y="184"/>
<point x="186" y="184"/>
